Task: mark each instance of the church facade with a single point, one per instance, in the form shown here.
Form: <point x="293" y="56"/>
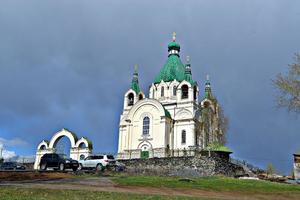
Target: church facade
<point x="173" y="120"/>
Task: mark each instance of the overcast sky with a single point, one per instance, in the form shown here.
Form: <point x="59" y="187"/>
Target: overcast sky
<point x="69" y="63"/>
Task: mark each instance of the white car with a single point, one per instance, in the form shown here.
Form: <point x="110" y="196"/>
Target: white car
<point x="98" y="162"/>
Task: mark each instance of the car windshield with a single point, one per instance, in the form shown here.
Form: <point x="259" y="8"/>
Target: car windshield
<point x="64" y="156"/>
<point x="110" y="157"/>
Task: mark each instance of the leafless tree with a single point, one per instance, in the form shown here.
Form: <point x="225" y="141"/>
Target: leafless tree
<point x="289" y="87"/>
<point x="223" y="124"/>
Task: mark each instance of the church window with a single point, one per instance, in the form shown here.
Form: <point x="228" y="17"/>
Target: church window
<point x="130" y="99"/>
<point x="195" y="93"/>
<point x="183" y="137"/>
<point x="140" y="97"/>
<point x="146" y="125"/>
<point x="82" y="157"/>
<point x="43" y="147"/>
<point x="184" y="92"/>
<point x="162" y="92"/>
<point x="174" y="91"/>
<point x="82" y="145"/>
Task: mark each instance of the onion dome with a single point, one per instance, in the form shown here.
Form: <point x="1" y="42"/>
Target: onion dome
<point x="173" y="68"/>
<point x="173" y="47"/>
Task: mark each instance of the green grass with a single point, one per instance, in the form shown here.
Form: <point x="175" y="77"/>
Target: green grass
<point x="14" y="193"/>
<point x="209" y="183"/>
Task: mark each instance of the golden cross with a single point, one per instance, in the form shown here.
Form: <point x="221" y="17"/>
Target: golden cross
<point x="174" y="36"/>
<point x="135" y="67"/>
<point x="207" y="77"/>
<point x="188" y="59"/>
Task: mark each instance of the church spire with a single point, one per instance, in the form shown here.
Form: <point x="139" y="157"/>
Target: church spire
<point x="208" y="93"/>
<point x="135" y="80"/>
<point x="188" y="71"/>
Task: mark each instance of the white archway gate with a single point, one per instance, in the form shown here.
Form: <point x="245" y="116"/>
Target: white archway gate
<point x="80" y="148"/>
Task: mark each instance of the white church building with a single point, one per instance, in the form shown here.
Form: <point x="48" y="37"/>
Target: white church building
<point x="172" y="121"/>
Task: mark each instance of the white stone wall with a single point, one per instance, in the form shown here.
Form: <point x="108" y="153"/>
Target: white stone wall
<point x="131" y="138"/>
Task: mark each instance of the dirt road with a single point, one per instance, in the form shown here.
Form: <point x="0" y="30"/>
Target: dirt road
<point x="107" y="185"/>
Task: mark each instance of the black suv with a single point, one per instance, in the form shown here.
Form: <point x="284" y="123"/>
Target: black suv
<point x="57" y="161"/>
<point x="12" y="166"/>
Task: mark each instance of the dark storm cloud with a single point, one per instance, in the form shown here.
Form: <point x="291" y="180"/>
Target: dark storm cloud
<point x="68" y="64"/>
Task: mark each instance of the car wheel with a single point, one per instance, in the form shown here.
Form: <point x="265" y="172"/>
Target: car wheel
<point x="43" y="167"/>
<point x="80" y="167"/>
<point x="74" y="169"/>
<point x="99" y="168"/>
<point x="61" y="167"/>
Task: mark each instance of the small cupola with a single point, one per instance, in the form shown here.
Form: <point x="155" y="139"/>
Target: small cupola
<point x="135" y="81"/>
<point x="188" y="71"/>
<point x="174" y="47"/>
<point x="208" y="93"/>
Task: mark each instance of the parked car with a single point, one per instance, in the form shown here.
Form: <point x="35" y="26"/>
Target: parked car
<point x="58" y="161"/>
<point x="12" y="166"/>
<point x="98" y="162"/>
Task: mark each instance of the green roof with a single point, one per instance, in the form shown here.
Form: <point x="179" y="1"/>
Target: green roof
<point x="135" y="82"/>
<point x="167" y="113"/>
<point x="218" y="147"/>
<point x="135" y="86"/>
<point x="173" y="69"/>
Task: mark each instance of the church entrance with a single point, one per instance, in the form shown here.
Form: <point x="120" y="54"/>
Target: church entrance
<point x="144" y="154"/>
<point x="145" y="151"/>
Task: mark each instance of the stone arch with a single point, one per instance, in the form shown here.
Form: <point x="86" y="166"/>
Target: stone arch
<point x="76" y="150"/>
<point x="156" y="104"/>
<point x="183" y="114"/>
<point x="143" y="143"/>
<point x="145" y="147"/>
<point x="63" y="133"/>
<point x="43" y="145"/>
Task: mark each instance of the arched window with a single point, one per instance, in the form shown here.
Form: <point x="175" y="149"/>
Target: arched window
<point x="82" y="145"/>
<point x="43" y="147"/>
<point x="174" y="91"/>
<point x="82" y="157"/>
<point x="195" y="93"/>
<point x="130" y="99"/>
<point x="183" y="137"/>
<point x="146" y="125"/>
<point x="162" y="91"/>
<point x="184" y="92"/>
<point x="140" y="97"/>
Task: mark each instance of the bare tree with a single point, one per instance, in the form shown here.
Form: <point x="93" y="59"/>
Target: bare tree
<point x="223" y="124"/>
<point x="289" y="87"/>
<point x="270" y="169"/>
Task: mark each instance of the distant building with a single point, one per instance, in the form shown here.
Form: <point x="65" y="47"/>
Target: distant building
<point x="171" y="121"/>
<point x="297" y="165"/>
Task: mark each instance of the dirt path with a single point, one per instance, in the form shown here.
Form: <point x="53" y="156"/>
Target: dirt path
<point x="107" y="185"/>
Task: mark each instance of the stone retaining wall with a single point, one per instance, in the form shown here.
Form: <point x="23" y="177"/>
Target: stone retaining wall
<point x="190" y="166"/>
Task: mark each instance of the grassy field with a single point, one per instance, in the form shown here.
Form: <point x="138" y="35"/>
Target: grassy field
<point x="121" y="186"/>
<point x="13" y="193"/>
<point x="209" y="183"/>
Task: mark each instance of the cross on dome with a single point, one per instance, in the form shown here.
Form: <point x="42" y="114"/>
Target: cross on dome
<point x="135" y="68"/>
<point x="207" y="77"/>
<point x="188" y="59"/>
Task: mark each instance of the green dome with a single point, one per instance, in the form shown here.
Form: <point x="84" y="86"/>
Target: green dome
<point x="173" y="69"/>
<point x="173" y="44"/>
